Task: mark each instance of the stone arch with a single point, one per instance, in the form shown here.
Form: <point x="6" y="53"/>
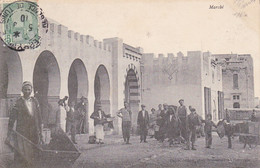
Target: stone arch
<point x="78" y="88"/>
<point x="132" y="92"/>
<point x="131" y="87"/>
<point x="78" y="80"/>
<point x="46" y="82"/>
<point x="102" y="89"/>
<point x="11" y="77"/>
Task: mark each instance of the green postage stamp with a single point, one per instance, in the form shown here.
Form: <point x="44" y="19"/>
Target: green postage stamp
<point x="22" y="23"/>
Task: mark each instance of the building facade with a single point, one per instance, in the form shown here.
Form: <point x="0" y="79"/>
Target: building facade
<point x="106" y="72"/>
<point x="238" y="79"/>
<point x="196" y="78"/>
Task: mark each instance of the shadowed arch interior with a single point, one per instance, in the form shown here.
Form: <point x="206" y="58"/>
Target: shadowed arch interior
<point x="78" y="87"/>
<point x="46" y="82"/>
<point x="102" y="89"/>
<point x="10" y="78"/>
<point x="78" y="80"/>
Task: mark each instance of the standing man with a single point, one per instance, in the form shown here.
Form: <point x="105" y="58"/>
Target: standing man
<point x="158" y="122"/>
<point x="81" y="109"/>
<point x="172" y="125"/>
<point x="126" y="115"/>
<point x="253" y="117"/>
<point x="99" y="117"/>
<point x="182" y="114"/>
<point x="228" y="132"/>
<point x="162" y="123"/>
<point x="152" y="130"/>
<point x="192" y="122"/>
<point x="70" y="121"/>
<point x="27" y="115"/>
<point x="143" y="123"/>
<point x="208" y="129"/>
<point x="158" y="112"/>
<point x="227" y="115"/>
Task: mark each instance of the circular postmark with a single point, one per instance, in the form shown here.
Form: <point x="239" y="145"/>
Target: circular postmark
<point x="22" y="25"/>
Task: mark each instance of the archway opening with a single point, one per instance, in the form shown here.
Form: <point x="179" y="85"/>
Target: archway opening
<point x="46" y="82"/>
<point x="10" y="78"/>
<point x="78" y="93"/>
<point x="132" y="95"/>
<point x="102" y="90"/>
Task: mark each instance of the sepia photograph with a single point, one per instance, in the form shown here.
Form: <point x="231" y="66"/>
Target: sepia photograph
<point x="129" y="84"/>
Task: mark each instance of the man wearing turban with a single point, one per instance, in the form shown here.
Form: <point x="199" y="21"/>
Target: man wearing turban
<point x="27" y="115"/>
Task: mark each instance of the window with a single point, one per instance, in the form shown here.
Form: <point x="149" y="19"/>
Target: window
<point x="236" y="105"/>
<point x="236" y="97"/>
<point x="235" y="81"/>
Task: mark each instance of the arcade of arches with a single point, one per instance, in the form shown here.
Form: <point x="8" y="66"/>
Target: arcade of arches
<point x="46" y="81"/>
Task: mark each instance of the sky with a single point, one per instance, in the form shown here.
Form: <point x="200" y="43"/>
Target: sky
<point x="167" y="26"/>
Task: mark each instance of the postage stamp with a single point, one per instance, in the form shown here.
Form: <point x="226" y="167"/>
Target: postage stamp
<point x="22" y="25"/>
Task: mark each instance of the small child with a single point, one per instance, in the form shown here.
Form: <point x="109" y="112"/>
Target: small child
<point x="228" y="132"/>
<point x="208" y="130"/>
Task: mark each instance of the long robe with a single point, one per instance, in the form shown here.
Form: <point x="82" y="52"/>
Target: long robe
<point x="28" y="124"/>
<point x="172" y="127"/>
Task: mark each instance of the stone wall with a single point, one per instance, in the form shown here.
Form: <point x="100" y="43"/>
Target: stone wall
<point x="125" y="58"/>
<point x="168" y="79"/>
<point x="242" y="66"/>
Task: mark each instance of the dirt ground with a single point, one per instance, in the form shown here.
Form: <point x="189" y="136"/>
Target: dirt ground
<point x="155" y="154"/>
<point x="115" y="154"/>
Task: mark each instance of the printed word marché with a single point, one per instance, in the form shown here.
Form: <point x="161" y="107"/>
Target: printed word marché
<point x="216" y="7"/>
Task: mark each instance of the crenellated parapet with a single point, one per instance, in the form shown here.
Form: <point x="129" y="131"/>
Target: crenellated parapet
<point x="170" y="58"/>
<point x="234" y="62"/>
<point x="63" y="33"/>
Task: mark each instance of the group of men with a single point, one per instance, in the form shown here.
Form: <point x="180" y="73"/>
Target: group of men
<point x="177" y="125"/>
<point x="142" y="122"/>
<point x="75" y="116"/>
<point x="169" y="123"/>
